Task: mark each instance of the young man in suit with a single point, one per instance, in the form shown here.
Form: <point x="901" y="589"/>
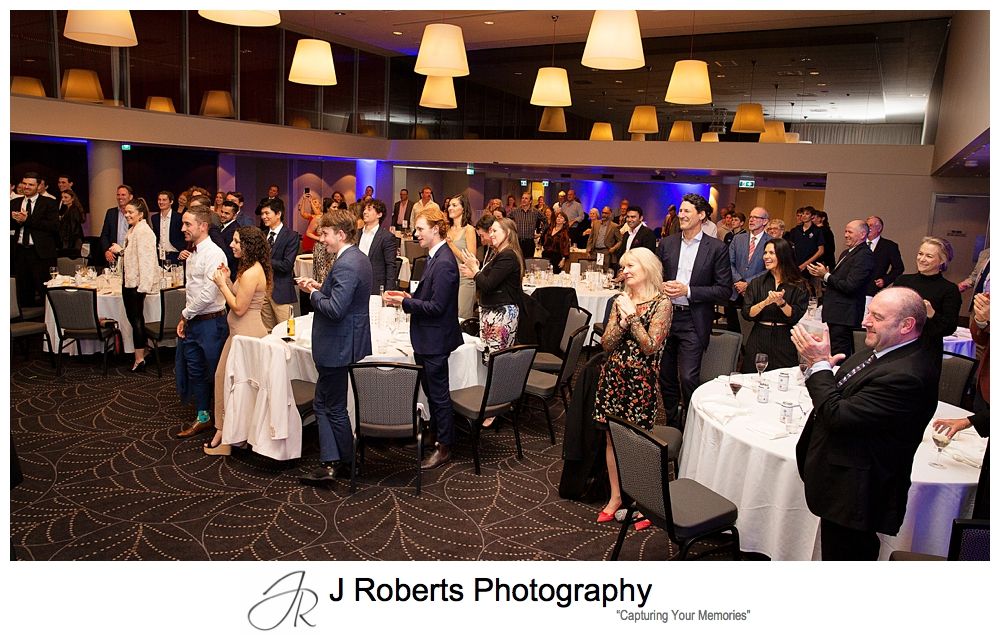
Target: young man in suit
<point x="379" y="246"/>
<point x="284" y="242"/>
<point x="746" y="260"/>
<point x="635" y="233"/>
<point x="166" y="224"/>
<point x="228" y="224"/>
<point x="35" y="229"/>
<point x="888" y="263"/>
<point x="341" y="335"/>
<point x="434" y="330"/>
<point x="697" y="277"/>
<point x="846" y="284"/>
<point x="856" y="449"/>
<point x="115" y="226"/>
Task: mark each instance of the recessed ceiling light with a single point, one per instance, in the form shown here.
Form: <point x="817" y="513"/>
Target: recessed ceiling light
<point x="591" y="100"/>
<point x="397" y="33"/>
<point x="640" y="91"/>
<point x="720" y="75"/>
<point x="618" y="82"/>
<point x="820" y="84"/>
<point x="518" y="73"/>
<point x="339" y="13"/>
<point x="488" y="22"/>
<point x="813" y="73"/>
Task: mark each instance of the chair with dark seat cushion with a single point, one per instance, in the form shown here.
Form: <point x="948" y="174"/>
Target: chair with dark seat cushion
<point x="687" y="510"/>
<point x="68" y="266"/>
<point x="75" y="312"/>
<point x="23" y="313"/>
<point x="172" y="302"/>
<point x="22" y="330"/>
<point x="417" y="267"/>
<point x="505" y="381"/>
<point x="576" y="318"/>
<point x="970" y="541"/>
<point x="543" y="385"/>
<point x="956" y="377"/>
<point x="722" y="354"/>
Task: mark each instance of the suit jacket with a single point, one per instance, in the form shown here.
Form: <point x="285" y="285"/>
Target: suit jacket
<point x="224" y="240"/>
<point x="844" y="300"/>
<point x="612" y="238"/>
<point x="643" y="238"/>
<point x="175" y="234"/>
<point x="341" y="329"/>
<point x="856" y="450"/>
<point x="981" y="336"/>
<point x="109" y="231"/>
<point x="887" y="265"/>
<point x="711" y="278"/>
<point x="42" y="225"/>
<point x="738" y="249"/>
<point x="283" y="253"/>
<point x="382" y="256"/>
<point x="391" y="220"/>
<point x="433" y="308"/>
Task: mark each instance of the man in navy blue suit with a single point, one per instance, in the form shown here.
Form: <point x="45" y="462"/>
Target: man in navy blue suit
<point x="746" y="264"/>
<point x="228" y="224"/>
<point x="697" y="277"/>
<point x="434" y="330"/>
<point x="341" y="335"/>
<point x="115" y="226"/>
<point x="284" y="242"/>
<point x="166" y="224"/>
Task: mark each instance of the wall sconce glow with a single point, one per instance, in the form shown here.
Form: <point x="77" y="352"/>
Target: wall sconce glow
<point x="160" y="103"/>
<point x="26" y="86"/>
<point x="104" y="28"/>
<point x="81" y="85"/>
<point x="442" y="52"/>
<point x="263" y="18"/>
<point x="312" y="63"/>
<point x="614" y="41"/>
<point x="217" y="104"/>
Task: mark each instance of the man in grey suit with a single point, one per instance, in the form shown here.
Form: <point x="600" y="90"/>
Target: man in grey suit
<point x="746" y="260"/>
<point x="341" y="335"/>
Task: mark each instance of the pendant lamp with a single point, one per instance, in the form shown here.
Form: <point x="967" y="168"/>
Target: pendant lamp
<point x="710" y="136"/>
<point x="689" y="84"/>
<point x="774" y="132"/>
<point x="601" y="131"/>
<point x="638" y="137"/>
<point x="218" y="104"/>
<point x="313" y="63"/>
<point x="439" y="93"/>
<point x="442" y="52"/>
<point x="26" y="86"/>
<point x="614" y="41"/>
<point x="553" y="120"/>
<point x="749" y="115"/>
<point x="81" y="85"/>
<point x="644" y="116"/>
<point x="262" y="18"/>
<point x="552" y="83"/>
<point x="682" y="131"/>
<point x="105" y="28"/>
<point x="160" y="103"/>
<point x="792" y="137"/>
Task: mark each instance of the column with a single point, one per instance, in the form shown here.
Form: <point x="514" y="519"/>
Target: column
<point x="104" y="165"/>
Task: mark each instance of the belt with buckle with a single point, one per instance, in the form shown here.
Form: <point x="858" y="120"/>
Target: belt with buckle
<point x="681" y="308"/>
<point x="208" y="316"/>
<point x="770" y="324"/>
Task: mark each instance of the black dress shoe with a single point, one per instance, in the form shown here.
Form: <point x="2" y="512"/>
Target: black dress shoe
<point x="325" y="472"/>
<point x="140" y="366"/>
<point x="440" y="456"/>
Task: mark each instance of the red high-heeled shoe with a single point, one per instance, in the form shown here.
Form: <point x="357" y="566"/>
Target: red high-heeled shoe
<point x="642" y="525"/>
<point x="604" y="517"/>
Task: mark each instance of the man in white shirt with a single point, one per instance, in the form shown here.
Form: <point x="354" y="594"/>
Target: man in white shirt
<point x="424" y="202"/>
<point x="166" y="225"/>
<point x="203" y="329"/>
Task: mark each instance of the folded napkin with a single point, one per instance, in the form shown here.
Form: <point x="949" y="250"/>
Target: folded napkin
<point x="967" y="450"/>
<point x="722" y="410"/>
<point x="963" y="332"/>
<point x="767" y="429"/>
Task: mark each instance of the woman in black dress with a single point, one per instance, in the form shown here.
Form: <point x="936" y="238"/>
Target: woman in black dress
<point x="70" y="225"/>
<point x="941" y="297"/>
<point x="774" y="301"/>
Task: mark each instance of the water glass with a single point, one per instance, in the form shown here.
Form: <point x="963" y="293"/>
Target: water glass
<point x="53" y="273"/>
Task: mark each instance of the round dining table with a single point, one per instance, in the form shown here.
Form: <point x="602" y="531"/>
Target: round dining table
<point x="738" y="447"/>
<point x="592" y="299"/>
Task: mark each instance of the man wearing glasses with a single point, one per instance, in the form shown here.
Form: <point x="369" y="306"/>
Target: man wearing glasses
<point x="746" y="259"/>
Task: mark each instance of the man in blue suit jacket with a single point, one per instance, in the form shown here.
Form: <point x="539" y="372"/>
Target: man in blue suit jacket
<point x="696" y="277"/>
<point x="341" y="335"/>
<point x="175" y="235"/>
<point x="434" y="330"/>
<point x="746" y="267"/>
<point x="284" y="242"/>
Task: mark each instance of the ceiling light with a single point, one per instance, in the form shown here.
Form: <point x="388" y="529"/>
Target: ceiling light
<point x="601" y="131"/>
<point x="820" y="84"/>
<point x="488" y="22"/>
<point x="105" y="28"/>
<point x="551" y="88"/>
<point x="774" y="132"/>
<point x="618" y="82"/>
<point x="160" y="103"/>
<point x="682" y="131"/>
<point x="261" y="18"/>
<point x="439" y="93"/>
<point x="26" y="86"/>
<point x="813" y="73"/>
<point x="553" y="120"/>
<point x="643" y="120"/>
<point x="749" y="118"/>
<point x="614" y="41"/>
<point x="442" y="52"/>
<point x="397" y="33"/>
<point x="312" y="63"/>
<point x="638" y="137"/>
<point x="689" y="84"/>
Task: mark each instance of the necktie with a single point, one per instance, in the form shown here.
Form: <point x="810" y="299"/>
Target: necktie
<point x="983" y="277"/>
<point x="25" y="236"/>
<point x="869" y="244"/>
<point x="270" y="239"/>
<point x="753" y="246"/>
<point x="857" y="368"/>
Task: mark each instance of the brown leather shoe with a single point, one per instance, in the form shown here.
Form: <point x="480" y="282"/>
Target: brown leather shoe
<point x="440" y="456"/>
<point x="197" y="428"/>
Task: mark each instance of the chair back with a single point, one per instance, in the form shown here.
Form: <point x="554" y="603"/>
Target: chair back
<point x="507" y="375"/>
<point x="74" y="309"/>
<point x="956" y="373"/>
<point x="607" y="309"/>
<point x="399" y="264"/>
<point x="67" y="266"/>
<point x="541" y="264"/>
<point x="587" y="264"/>
<point x="721" y="356"/>
<point x="572" y="354"/>
<point x="172" y="302"/>
<point x="970" y="540"/>
<point x="417" y="266"/>
<point x="576" y="318"/>
<point x="859" y="340"/>
<point x="385" y="397"/>
<point x="470" y="326"/>
<point x="643" y="470"/>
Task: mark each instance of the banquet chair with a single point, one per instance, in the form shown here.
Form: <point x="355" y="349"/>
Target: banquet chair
<point x="172" y="302"/>
<point x="687" y="510"/>
<point x="598" y="329"/>
<point x="417" y="266"/>
<point x="385" y="406"/>
<point x="970" y="541"/>
<point x="24" y="313"/>
<point x="576" y="318"/>
<point x="541" y="264"/>
<point x="543" y="385"/>
<point x="956" y="376"/>
<point x="399" y="269"/>
<point x="67" y="266"/>
<point x="470" y="326"/>
<point x="506" y="377"/>
<point x="75" y="313"/>
<point x="22" y="330"/>
<point x="722" y="354"/>
<point x="859" y="340"/>
<point x="586" y="264"/>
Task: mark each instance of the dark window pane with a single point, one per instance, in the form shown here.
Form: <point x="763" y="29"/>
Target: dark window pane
<point x="404" y="94"/>
<point x="371" y="94"/>
<point x="338" y="100"/>
<point x="31" y="47"/>
<point x="210" y="58"/>
<point x="259" y="74"/>
<point x="155" y="63"/>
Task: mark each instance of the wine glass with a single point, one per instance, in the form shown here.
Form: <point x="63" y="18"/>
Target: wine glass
<point x="760" y="361"/>
<point x="941" y="440"/>
<point x="734" y="383"/>
<point x="53" y="273"/>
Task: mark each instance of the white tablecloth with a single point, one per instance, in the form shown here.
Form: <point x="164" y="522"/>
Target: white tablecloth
<point x="740" y="459"/>
<point x="592" y="300"/>
<point x="465" y="369"/>
<point x="109" y="305"/>
<point x="960" y="343"/>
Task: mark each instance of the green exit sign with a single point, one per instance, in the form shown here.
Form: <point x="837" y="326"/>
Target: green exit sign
<point x="126" y="147"/>
<point x="747" y="183"/>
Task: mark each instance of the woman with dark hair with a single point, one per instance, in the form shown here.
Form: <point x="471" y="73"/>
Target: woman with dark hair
<point x="182" y="201"/>
<point x="322" y="260"/>
<point x="461" y="238"/>
<point x="941" y="296"/>
<point x="140" y="275"/>
<point x="245" y="296"/>
<point x="555" y="243"/>
<point x="774" y="301"/>
<point x="511" y="204"/>
<point x="70" y="225"/>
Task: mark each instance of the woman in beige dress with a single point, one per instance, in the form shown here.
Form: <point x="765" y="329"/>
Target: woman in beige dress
<point x="244" y="297"/>
<point x="462" y="236"/>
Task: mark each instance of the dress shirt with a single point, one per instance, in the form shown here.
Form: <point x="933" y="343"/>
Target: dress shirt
<point x="526" y="221"/>
<point x="24" y="237"/>
<point x="365" y="244"/>
<point x="873" y="242"/>
<point x="434" y="250"/>
<point x="202" y="295"/>
<point x="122" y="227"/>
<point x="165" y="246"/>
<point x="573" y="211"/>
<point x="631" y="234"/>
<point x="754" y="241"/>
<point x="824" y="366"/>
<point x="685" y="264"/>
<point x="710" y="228"/>
<point x="275" y="231"/>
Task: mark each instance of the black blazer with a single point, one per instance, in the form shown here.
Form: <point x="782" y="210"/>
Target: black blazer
<point x="711" y="278"/>
<point x="888" y="265"/>
<point x="283" y="253"/>
<point x="42" y="224"/>
<point x="844" y="300"/>
<point x="382" y="256"/>
<point x="643" y="238"/>
<point x="433" y="308"/>
<point x="499" y="281"/>
<point x="175" y="234"/>
<point x="224" y="239"/>
<point x="391" y="220"/>
<point x="856" y="450"/>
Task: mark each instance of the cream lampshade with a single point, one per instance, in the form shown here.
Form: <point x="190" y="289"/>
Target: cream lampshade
<point x="105" y="28"/>
<point x="638" y="137"/>
<point x="81" y="85"/>
<point x="682" y="131"/>
<point x="792" y="137"/>
<point x="26" y="86"/>
<point x="643" y="120"/>
<point x="749" y="118"/>
<point x="774" y="132"/>
<point x="614" y="41"/>
<point x="439" y="93"/>
<point x="312" y="63"/>
<point x="553" y="120"/>
<point x="442" y="52"/>
<point x="710" y="136"/>
<point x="160" y="103"/>
<point x="218" y="104"/>
<point x="551" y="88"/>
<point x="301" y="122"/>
<point x="263" y="18"/>
<point x="689" y="84"/>
<point x="601" y="131"/>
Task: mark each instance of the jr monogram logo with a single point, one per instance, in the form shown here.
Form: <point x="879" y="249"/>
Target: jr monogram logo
<point x="279" y="605"/>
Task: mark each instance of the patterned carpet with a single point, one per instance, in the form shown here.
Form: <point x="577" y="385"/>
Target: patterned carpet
<point x="105" y="480"/>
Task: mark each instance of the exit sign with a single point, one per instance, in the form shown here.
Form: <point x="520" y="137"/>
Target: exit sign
<point x="747" y="183"/>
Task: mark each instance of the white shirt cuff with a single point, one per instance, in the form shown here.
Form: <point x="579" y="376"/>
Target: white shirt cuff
<point x="819" y="366"/>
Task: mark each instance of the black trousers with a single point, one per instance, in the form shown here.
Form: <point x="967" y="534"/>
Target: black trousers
<point x="527" y="247"/>
<point x="680" y="367"/>
<point x="31" y="271"/>
<point x="436" y="387"/>
<point x="133" y="301"/>
<point x="841" y="339"/>
<point x="839" y="543"/>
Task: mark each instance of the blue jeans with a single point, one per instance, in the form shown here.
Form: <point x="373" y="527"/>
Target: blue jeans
<point x="197" y="358"/>
<point x="336" y="439"/>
